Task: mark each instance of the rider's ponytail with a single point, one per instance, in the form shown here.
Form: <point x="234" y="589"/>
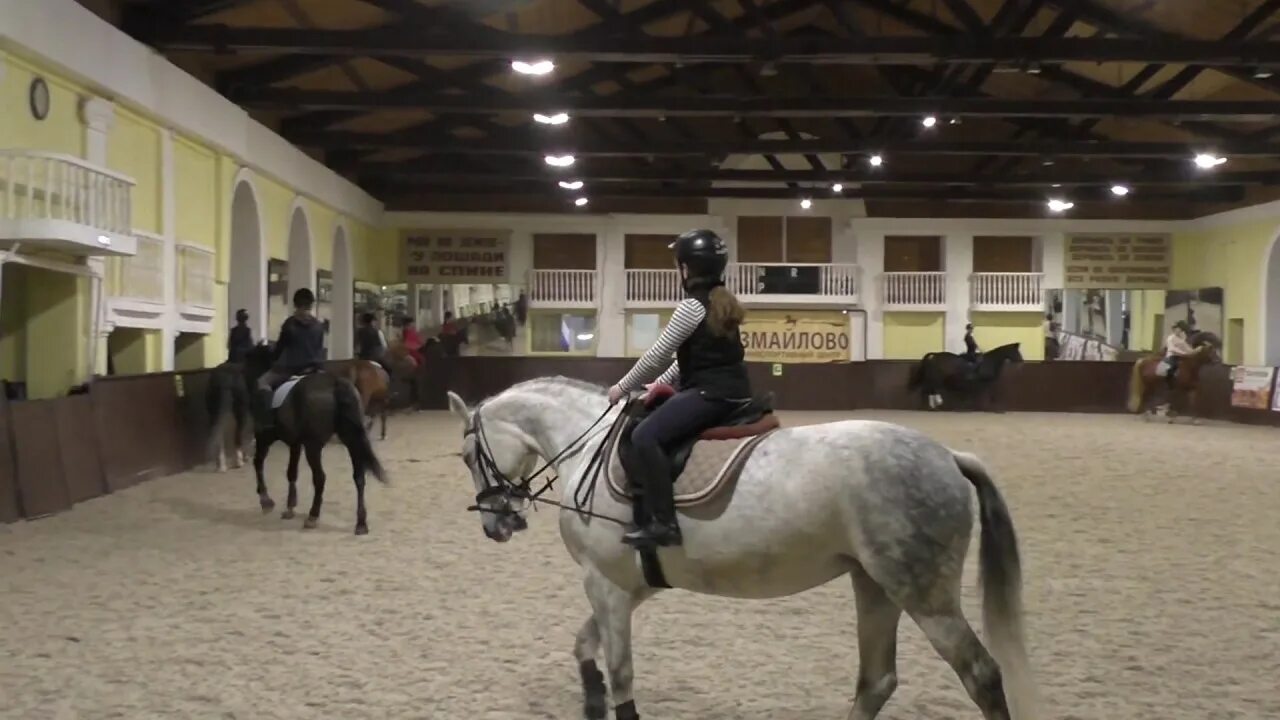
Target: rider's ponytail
<point x="724" y="312"/>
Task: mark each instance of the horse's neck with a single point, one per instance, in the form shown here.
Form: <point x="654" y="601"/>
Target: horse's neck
<point x="555" y="417"/>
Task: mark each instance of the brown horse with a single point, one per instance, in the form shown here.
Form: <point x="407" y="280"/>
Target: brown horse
<point x="1147" y="384"/>
<point x="374" y="384"/>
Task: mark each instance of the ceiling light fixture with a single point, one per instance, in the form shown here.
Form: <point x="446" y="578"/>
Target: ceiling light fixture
<point x="1205" y="161"/>
<point x="558" y="160"/>
<point x="1262" y="73"/>
<point x="580" y="202"/>
<point x="1056" y="205"/>
<point x="1119" y="190"/>
<point x="875" y="160"/>
<point x="929" y="121"/>
<point x="571" y="184"/>
<point x="806" y="203"/>
<point x="837" y="188"/>
<point x="537" y="67"/>
<point x="557" y="119"/>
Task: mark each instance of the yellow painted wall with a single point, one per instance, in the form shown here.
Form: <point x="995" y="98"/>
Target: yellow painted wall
<point x="133" y="148"/>
<point x="1145" y="318"/>
<point x="60" y="132"/>
<point x="132" y="350"/>
<point x="275" y="201"/>
<point x="56" y="327"/>
<point x="993" y="329"/>
<point x="195" y="184"/>
<point x="13" y="324"/>
<point x="1233" y="258"/>
<point x="910" y="335"/>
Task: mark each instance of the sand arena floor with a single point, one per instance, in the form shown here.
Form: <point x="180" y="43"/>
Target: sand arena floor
<point x="1153" y="593"/>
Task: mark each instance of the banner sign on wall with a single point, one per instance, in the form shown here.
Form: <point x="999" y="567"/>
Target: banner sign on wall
<point x="1251" y="387"/>
<point x="796" y="336"/>
<point x="457" y="256"/>
<point x="1118" y="262"/>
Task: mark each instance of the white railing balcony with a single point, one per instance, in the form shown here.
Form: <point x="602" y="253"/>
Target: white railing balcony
<point x="653" y="288"/>
<point x="782" y="283"/>
<point x="140" y="277"/>
<point x="563" y="288"/>
<point x="195" y="277"/>
<point x="63" y="203"/>
<point x="1009" y="292"/>
<point x="913" y="290"/>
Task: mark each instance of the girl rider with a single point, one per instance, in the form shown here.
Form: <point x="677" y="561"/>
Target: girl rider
<point x="709" y="372"/>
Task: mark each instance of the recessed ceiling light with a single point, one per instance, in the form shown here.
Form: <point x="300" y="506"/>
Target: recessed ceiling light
<point x="557" y="119"/>
<point x="875" y="160"/>
<point x="806" y="203"/>
<point x="571" y="185"/>
<point x="537" y="67"/>
<point x="1056" y="205"/>
<point x="1263" y="73"/>
<point x="580" y="201"/>
<point x="1208" y="160"/>
<point x="559" y="160"/>
<point x="929" y="121"/>
<point x="837" y="188"/>
<point x="1119" y="190"/>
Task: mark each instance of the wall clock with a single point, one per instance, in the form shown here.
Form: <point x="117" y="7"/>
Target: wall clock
<point x="38" y="96"/>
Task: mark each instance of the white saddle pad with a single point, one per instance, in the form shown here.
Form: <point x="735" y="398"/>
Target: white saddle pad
<point x="1163" y="368"/>
<point x="282" y="391"/>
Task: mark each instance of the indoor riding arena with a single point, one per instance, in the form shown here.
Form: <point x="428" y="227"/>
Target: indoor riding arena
<point x="1040" y="232"/>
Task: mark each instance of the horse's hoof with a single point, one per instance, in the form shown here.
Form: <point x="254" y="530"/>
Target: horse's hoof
<point x="310" y="523"/>
<point x="596" y="708"/>
<point x="267" y="504"/>
<point x="362" y="529"/>
<point x="287" y="514"/>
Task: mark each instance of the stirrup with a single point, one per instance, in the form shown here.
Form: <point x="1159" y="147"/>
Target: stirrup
<point x="654" y="534"/>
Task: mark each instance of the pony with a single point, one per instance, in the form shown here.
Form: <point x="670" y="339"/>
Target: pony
<point x="1148" y="383"/>
<point x="318" y="405"/>
<point x="227" y="401"/>
<point x="880" y="503"/>
<point x="945" y="371"/>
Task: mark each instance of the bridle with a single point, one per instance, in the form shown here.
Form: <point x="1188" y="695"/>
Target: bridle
<point x="497" y="484"/>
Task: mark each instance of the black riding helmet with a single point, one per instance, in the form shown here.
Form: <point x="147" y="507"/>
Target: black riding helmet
<point x="705" y="254"/>
<point x="304" y="298"/>
<point x="242" y="315"/>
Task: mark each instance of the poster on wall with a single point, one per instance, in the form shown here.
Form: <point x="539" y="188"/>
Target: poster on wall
<point x="796" y="337"/>
<point x="457" y="256"/>
<point x="1118" y="262"/>
<point x="1251" y="387"/>
<point x="1200" y="309"/>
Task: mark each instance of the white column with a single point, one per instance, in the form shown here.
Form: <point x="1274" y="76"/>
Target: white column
<point x="1115" y="316"/>
<point x="168" y="231"/>
<point x="437" y="305"/>
<point x="611" y="315"/>
<point x="1052" y="246"/>
<point x="869" y="253"/>
<point x="958" y="262"/>
<point x="98" y="115"/>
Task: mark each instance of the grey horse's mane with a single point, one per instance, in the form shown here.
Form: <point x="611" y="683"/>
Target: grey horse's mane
<point x="553" y="382"/>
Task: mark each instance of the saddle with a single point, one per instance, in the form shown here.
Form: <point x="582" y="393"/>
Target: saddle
<point x="282" y="390"/>
<point x="703" y="465"/>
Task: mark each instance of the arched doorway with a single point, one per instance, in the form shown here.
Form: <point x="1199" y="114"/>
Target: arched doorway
<point x="302" y="266"/>
<point x="342" y="332"/>
<point x="247" y="287"/>
<point x="1271" y="307"/>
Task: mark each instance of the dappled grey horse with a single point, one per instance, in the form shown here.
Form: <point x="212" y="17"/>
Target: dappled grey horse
<point x="878" y="502"/>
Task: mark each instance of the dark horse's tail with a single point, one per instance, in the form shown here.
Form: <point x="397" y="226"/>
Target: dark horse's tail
<point x="350" y="427"/>
<point x="917" y="373"/>
<point x="227" y="395"/>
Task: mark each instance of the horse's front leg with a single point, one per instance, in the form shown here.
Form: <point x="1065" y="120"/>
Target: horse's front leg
<point x="595" y="703"/>
<point x="382" y="416"/>
<point x="612" y="607"/>
<point x="295" y="452"/>
<point x="261" y="445"/>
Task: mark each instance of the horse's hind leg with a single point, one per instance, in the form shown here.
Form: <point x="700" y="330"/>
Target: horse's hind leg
<point x="314" y="453"/>
<point x="295" y="452"/>
<point x="594" y="691"/>
<point x="357" y="474"/>
<point x="877" y="646"/>
<point x="956" y="642"/>
<point x="259" y="459"/>
<point x="382" y="415"/>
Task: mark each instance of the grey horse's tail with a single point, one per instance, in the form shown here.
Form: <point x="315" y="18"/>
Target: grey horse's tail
<point x="350" y="426"/>
<point x="1001" y="578"/>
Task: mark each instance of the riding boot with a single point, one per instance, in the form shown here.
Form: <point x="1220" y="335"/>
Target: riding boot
<point x="263" y="416"/>
<point x="656" y="483"/>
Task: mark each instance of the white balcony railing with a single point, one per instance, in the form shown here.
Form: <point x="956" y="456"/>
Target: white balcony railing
<point x="140" y="276"/>
<point x="758" y="282"/>
<point x="653" y="288"/>
<point x="914" y="290"/>
<point x="1006" y="291"/>
<point x="195" y="276"/>
<point x="63" y="199"/>
<point x="563" y="288"/>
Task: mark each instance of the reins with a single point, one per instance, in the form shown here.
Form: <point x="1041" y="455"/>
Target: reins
<point x="497" y="483"/>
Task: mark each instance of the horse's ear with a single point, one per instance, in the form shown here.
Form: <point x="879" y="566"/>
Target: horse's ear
<point x="458" y="407"/>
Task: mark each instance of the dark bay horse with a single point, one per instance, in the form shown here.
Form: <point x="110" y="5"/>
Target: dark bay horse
<point x="948" y="372"/>
<point x="319" y="405"/>
<point x="227" y="399"/>
<point x="1148" y="384"/>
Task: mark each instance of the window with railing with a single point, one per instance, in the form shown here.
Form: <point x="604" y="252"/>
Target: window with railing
<point x="141" y="276"/>
<point x="821" y="279"/>
<point x="563" y="287"/>
<point x="1007" y="290"/>
<point x="914" y="289"/>
<point x="195" y="276"/>
<point x="51" y="186"/>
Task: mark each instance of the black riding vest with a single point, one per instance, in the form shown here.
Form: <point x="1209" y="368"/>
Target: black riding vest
<point x="713" y="363"/>
<point x="301" y="344"/>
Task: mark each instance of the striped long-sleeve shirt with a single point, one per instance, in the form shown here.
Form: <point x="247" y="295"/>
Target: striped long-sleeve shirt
<point x="658" y="359"/>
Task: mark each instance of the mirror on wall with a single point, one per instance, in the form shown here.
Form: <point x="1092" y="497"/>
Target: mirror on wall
<point x="1105" y="324"/>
